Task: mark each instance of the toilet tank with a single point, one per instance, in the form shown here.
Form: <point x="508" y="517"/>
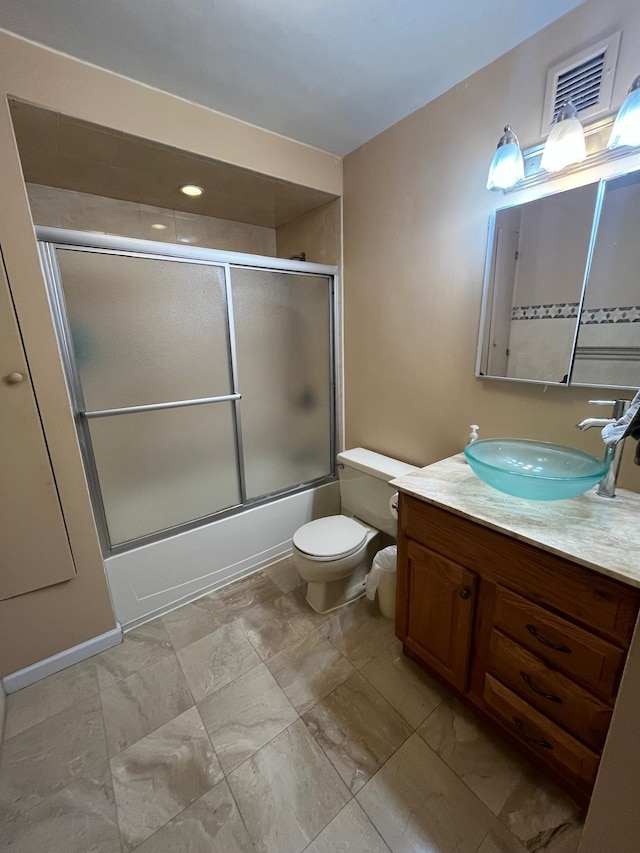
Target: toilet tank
<point x="365" y="489"/>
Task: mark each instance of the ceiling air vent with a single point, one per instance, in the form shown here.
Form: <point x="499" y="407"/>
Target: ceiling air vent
<point x="586" y="79"/>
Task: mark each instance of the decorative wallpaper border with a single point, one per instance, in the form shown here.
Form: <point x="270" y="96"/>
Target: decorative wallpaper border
<point x="569" y="311"/>
<point x="630" y="314"/>
<point x="554" y="311"/>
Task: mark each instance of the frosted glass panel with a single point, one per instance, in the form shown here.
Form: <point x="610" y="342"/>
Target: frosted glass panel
<point x="145" y="330"/>
<point x="283" y="346"/>
<point x="158" y="469"/>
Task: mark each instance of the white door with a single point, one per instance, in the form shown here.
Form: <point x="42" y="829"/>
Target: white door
<point x="34" y="548"/>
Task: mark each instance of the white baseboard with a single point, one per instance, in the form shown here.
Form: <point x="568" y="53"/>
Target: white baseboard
<point x="30" y="674"/>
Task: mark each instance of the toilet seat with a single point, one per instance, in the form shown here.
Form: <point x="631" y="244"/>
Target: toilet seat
<point x="330" y="538"/>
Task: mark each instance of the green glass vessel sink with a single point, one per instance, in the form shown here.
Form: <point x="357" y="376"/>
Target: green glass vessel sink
<point x="536" y="470"/>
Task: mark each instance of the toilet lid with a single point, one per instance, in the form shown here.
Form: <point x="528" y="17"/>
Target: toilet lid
<point x="335" y="536"/>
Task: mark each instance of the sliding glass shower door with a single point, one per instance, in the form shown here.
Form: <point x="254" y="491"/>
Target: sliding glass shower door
<point x="200" y="386"/>
<point x="283" y="339"/>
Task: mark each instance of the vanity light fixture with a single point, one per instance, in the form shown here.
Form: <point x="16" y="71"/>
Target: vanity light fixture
<point x="626" y="128"/>
<point x="192" y="190"/>
<point x="507" y="166"/>
<point x="565" y="144"/>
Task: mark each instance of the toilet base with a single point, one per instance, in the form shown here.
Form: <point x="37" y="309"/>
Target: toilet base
<point x="325" y="597"/>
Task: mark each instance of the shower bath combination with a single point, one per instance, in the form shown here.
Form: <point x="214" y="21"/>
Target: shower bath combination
<point x="202" y="382"/>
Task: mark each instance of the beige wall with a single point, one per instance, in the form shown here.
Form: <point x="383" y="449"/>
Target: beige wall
<point x="39" y="624"/>
<point x="415" y="226"/>
<point x="317" y="233"/>
<point x="60" y="208"/>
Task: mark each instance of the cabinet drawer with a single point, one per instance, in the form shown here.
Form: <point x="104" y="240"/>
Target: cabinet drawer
<point x="541" y="735"/>
<point x="571" y="649"/>
<point x="549" y="691"/>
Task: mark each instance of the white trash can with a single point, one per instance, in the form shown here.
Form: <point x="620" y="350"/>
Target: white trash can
<point x="382" y="579"/>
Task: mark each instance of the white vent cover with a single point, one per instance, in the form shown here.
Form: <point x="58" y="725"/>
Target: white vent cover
<point x="585" y="78"/>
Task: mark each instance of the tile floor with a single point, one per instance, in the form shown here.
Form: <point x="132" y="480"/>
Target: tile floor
<point x="246" y="723"/>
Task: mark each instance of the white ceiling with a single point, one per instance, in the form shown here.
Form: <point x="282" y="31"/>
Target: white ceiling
<point x="331" y="73"/>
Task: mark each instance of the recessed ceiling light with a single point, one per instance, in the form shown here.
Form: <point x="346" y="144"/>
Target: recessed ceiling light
<point x="158" y="226"/>
<point x="191" y="189"/>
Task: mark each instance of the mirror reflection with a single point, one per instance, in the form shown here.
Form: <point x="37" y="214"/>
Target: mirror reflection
<point x="535" y="278"/>
<point x="608" y="346"/>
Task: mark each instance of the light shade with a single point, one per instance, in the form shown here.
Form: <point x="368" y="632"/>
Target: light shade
<point x="565" y="144"/>
<point x="626" y="128"/>
<point x="507" y="166"/>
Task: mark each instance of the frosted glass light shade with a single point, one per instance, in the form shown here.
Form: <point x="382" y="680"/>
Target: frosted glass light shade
<point x="626" y="128"/>
<point x="507" y="166"/>
<point x="565" y="144"/>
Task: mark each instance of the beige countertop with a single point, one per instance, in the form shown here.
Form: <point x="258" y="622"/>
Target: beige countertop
<point x="600" y="533"/>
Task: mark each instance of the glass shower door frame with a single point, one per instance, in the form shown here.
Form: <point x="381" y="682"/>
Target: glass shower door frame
<point x="52" y="239"/>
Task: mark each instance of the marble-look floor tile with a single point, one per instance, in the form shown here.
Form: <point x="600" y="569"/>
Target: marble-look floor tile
<point x="542" y="817"/>
<point x="287" y="792"/>
<point x="417" y="803"/>
<point x="500" y="840"/>
<point x="48" y="697"/>
<point x="215" y="660"/>
<point x="193" y="621"/>
<point x="284" y="574"/>
<point x="140" y="648"/>
<point x="360" y="632"/>
<point x="80" y="818"/>
<point x="276" y="624"/>
<point x="357" y="729"/>
<point x="409" y="690"/>
<point x="245" y="715"/>
<point x="484" y="762"/>
<point x="309" y="670"/>
<point x="351" y="831"/>
<point x="210" y="825"/>
<point x="144" y="701"/>
<point x="160" y="775"/>
<point x="50" y="755"/>
<point x="566" y="839"/>
<point x="231" y="601"/>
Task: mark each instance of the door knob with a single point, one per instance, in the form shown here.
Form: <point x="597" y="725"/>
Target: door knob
<point x="14" y="378"/>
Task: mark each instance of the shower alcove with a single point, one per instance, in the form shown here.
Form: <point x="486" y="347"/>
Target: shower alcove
<point x="202" y="361"/>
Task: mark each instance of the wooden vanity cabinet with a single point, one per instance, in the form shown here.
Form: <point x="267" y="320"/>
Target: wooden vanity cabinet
<point x="534" y="642"/>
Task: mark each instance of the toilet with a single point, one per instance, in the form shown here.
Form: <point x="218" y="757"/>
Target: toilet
<point x="334" y="554"/>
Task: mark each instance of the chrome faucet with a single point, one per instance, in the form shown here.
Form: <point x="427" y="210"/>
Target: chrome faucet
<point x="612" y="454"/>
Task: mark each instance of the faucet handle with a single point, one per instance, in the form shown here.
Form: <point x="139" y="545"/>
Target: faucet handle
<point x="619" y="407"/>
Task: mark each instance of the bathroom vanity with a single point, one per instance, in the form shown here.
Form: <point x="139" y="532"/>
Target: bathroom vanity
<point x="525" y="609"/>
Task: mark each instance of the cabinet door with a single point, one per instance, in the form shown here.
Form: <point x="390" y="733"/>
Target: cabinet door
<point x="441" y="604"/>
<point x="34" y="549"/>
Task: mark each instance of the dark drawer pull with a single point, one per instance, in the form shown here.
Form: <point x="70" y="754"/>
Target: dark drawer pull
<point x="465" y="593"/>
<point x="525" y="734"/>
<point x="557" y="647"/>
<point x="529" y="682"/>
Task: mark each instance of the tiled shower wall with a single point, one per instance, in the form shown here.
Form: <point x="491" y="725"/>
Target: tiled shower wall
<point x="60" y="208"/>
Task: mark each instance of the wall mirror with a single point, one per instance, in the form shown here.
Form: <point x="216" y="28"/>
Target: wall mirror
<point x="608" y="345"/>
<point x="561" y="302"/>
